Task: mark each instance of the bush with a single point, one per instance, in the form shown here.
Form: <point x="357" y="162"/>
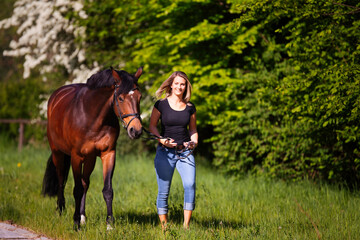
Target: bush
<point x="20" y="100"/>
<point x="297" y="115"/>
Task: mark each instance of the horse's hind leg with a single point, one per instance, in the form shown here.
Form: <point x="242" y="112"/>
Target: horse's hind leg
<point x="62" y="164"/>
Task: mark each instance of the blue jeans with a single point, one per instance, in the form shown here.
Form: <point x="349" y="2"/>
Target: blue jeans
<point x="166" y="160"/>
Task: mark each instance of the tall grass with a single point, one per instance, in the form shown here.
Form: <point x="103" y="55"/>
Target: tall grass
<point x="251" y="208"/>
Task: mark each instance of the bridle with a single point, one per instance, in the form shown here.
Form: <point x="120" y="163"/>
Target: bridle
<point x="123" y="116"/>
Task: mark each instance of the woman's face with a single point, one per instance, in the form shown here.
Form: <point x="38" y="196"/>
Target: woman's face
<point x="178" y="86"/>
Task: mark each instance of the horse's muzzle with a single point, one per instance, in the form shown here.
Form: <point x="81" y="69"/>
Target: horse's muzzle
<point x="134" y="133"/>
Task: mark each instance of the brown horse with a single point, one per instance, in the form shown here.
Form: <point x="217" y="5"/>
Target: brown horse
<point x="83" y="124"/>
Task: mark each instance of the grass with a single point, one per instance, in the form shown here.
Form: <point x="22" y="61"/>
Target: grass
<point x="250" y="208"/>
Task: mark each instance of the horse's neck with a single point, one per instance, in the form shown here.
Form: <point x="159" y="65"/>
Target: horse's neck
<point x="98" y="103"/>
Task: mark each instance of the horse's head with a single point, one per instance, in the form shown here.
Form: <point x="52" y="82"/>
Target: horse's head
<point x="127" y="101"/>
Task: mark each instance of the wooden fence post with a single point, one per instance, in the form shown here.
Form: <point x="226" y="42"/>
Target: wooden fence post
<point x="22" y="123"/>
<point x="21" y="136"/>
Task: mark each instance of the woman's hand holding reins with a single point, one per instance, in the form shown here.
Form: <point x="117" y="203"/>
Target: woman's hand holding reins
<point x="190" y="144"/>
<point x="168" y="142"/>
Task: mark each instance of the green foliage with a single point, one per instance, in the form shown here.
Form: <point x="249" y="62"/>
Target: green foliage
<point x="304" y="121"/>
<point x="21" y="100"/>
<point x="8" y="66"/>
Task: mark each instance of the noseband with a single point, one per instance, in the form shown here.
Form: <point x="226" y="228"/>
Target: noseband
<point x="123" y="116"/>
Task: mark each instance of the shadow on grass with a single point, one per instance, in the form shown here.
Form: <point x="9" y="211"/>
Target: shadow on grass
<point x="215" y="223"/>
<point x="176" y="216"/>
<point x="138" y="218"/>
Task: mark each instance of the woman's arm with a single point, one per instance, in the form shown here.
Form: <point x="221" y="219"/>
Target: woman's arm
<point x="192" y="132"/>
<point x="154" y="119"/>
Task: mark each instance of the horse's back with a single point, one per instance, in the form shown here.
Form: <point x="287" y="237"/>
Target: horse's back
<point x="62" y="98"/>
<point x="60" y="105"/>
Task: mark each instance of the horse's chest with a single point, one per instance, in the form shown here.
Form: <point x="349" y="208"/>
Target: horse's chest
<point x="88" y="148"/>
<point x="102" y="145"/>
<point x="105" y="143"/>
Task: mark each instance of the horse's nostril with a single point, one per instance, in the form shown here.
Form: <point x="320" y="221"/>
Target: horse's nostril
<point x="134" y="133"/>
<point x="138" y="133"/>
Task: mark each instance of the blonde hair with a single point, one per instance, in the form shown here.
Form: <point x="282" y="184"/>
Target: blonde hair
<point x="166" y="86"/>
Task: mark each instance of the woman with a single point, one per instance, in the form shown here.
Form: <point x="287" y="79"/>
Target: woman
<point x="179" y="138"/>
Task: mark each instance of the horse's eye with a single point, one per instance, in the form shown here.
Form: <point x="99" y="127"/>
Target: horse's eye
<point x="121" y="99"/>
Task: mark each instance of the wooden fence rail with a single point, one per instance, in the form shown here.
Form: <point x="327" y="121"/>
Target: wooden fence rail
<point x="22" y="123"/>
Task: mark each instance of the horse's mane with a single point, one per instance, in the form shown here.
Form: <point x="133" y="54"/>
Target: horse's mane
<point x="105" y="79"/>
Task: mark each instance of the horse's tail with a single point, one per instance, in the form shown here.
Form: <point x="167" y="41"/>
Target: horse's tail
<point x="50" y="185"/>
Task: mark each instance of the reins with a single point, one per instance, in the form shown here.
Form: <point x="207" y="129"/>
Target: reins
<point x="177" y="152"/>
<point x="152" y="136"/>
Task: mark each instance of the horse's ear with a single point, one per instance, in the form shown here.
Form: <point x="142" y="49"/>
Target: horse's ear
<point x="138" y="72"/>
<point x="115" y="75"/>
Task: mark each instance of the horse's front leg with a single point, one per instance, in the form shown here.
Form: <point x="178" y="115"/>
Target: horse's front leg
<point x="89" y="164"/>
<point x="78" y="191"/>
<point x="108" y="161"/>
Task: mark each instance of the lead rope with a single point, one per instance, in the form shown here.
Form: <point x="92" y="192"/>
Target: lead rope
<point x="177" y="152"/>
<point x="152" y="136"/>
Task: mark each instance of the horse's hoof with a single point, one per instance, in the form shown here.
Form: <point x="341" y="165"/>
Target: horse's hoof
<point x="109" y="227"/>
<point x="60" y="209"/>
<point x="82" y="220"/>
<point x="110" y="223"/>
<point x="76" y="227"/>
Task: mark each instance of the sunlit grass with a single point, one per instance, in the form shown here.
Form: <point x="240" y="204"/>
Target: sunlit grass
<point x="251" y="208"/>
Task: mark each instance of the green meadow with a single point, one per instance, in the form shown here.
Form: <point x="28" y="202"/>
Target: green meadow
<point x="226" y="208"/>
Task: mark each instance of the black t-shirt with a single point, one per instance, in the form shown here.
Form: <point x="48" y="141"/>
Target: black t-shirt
<point x="174" y="123"/>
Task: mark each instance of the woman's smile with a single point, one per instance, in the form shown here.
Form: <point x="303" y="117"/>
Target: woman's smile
<point x="178" y="86"/>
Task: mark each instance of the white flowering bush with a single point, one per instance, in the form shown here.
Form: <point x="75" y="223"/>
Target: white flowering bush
<point x="46" y="37"/>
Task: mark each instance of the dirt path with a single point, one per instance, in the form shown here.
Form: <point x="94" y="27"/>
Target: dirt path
<point x="11" y="231"/>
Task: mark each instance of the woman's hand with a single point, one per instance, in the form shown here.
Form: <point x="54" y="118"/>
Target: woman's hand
<point x="190" y="144"/>
<point x="168" y="142"/>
